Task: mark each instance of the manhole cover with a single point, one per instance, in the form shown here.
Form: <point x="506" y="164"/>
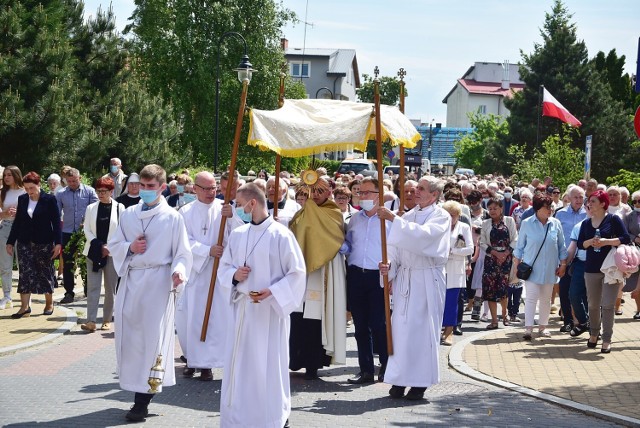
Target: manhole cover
<point x="455" y="388"/>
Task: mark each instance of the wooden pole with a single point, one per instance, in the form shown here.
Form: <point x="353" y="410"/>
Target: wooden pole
<point x="401" y="74"/>
<point x="227" y="198"/>
<point x="383" y="232"/>
<point x="276" y="197"/>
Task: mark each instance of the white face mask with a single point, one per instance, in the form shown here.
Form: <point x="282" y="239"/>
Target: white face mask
<point x="507" y="195"/>
<point x="367" y="205"/>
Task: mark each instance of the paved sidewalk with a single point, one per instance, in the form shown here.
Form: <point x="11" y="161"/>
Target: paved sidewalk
<point x="561" y="366"/>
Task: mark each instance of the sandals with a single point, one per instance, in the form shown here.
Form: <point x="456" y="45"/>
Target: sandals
<point x="506" y="322"/>
<point x="578" y="330"/>
<point x="492" y="326"/>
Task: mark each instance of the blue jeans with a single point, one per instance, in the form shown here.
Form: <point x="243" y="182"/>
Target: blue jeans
<point x="514" y="294"/>
<point x="578" y="292"/>
<point x="366" y="301"/>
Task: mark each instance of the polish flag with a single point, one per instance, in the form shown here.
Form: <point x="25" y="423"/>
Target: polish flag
<point x="551" y="107"/>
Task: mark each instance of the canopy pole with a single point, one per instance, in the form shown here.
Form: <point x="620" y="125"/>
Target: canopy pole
<point x="383" y="232"/>
<point x="401" y="74"/>
<point x="276" y="198"/>
<point x="227" y="198"/>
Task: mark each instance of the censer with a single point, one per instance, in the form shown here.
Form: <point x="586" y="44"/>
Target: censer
<point x="156" y="374"/>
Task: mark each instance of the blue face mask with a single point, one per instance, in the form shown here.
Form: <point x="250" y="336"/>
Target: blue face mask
<point x="189" y="197"/>
<point x="148" y="196"/>
<point x="180" y="188"/>
<point x="113" y="169"/>
<point x="244" y="216"/>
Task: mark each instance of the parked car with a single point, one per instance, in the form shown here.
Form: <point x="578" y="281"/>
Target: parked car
<point x="395" y="169"/>
<point x="366" y="167"/>
<point x="466" y="171"/>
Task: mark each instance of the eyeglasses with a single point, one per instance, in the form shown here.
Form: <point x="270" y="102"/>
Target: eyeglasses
<point x="207" y="189"/>
<point x="103" y="191"/>
<point x="636" y="201"/>
<point x="366" y="193"/>
<point x="555" y="193"/>
<point x="342" y="198"/>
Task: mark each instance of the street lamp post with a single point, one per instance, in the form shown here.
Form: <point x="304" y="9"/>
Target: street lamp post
<point x="430" y="140"/>
<point x="244" y="72"/>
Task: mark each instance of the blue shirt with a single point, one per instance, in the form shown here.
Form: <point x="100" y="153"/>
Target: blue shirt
<point x="363" y="240"/>
<point x="530" y="238"/>
<point x="569" y="218"/>
<point x="73" y="204"/>
<point x="581" y="254"/>
<point x="525" y="215"/>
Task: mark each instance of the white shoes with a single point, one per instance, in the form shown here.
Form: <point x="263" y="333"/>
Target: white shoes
<point x="6" y="303"/>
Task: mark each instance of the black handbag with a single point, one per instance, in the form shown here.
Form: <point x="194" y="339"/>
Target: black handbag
<point x="524" y="269"/>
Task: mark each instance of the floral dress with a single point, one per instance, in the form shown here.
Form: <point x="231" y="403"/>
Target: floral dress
<point x="495" y="277"/>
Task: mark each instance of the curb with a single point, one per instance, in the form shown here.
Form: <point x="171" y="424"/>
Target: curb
<point x="458" y="364"/>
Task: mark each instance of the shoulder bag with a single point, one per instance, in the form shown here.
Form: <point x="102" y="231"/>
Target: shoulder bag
<point x="525" y="269"/>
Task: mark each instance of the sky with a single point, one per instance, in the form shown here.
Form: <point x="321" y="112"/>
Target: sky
<point x="436" y="41"/>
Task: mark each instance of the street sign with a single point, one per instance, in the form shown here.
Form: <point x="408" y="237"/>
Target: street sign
<point x="391" y="154"/>
<point x="636" y="122"/>
<point x="587" y="158"/>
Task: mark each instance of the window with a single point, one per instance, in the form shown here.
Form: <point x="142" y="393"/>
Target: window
<point x="482" y="109"/>
<point x="299" y="69"/>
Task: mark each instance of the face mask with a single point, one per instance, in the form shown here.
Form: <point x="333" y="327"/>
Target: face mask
<point x="148" y="196"/>
<point x="244" y="216"/>
<point x="189" y="197"/>
<point x="113" y="168"/>
<point x="637" y="210"/>
<point x="507" y="195"/>
<point x="180" y="188"/>
<point x="366" y="205"/>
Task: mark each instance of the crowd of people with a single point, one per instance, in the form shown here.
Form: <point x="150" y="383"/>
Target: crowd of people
<point x="288" y="261"/>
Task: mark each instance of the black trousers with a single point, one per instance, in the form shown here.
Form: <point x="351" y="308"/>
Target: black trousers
<point x="68" y="273"/>
<point x="366" y="301"/>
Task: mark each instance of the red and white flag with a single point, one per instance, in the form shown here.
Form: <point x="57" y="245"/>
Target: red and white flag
<point x="551" y="107"/>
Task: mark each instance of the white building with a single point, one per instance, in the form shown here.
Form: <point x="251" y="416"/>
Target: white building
<point x="483" y="89"/>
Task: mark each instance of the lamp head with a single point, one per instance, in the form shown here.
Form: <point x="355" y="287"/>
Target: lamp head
<point x="244" y="69"/>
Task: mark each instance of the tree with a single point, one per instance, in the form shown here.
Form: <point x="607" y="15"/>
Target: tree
<point x="481" y="151"/>
<point x="67" y="94"/>
<point x="556" y="159"/>
<point x="389" y="90"/>
<point x="178" y="45"/>
<point x="561" y="64"/>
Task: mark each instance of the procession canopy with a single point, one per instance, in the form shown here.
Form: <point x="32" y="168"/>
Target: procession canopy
<point x="306" y="127"/>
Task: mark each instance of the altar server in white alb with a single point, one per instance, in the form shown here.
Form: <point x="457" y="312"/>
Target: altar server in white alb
<point x="418" y="252"/>
<point x="202" y="219"/>
<point x="151" y="254"/>
<point x="286" y="207"/>
<point x="264" y="270"/>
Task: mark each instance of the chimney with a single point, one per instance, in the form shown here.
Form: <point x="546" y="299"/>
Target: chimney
<point x="505" y="74"/>
<point x="284" y="44"/>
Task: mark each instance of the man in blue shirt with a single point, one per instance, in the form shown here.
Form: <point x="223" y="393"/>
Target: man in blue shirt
<point x="569" y="216"/>
<point x="365" y="297"/>
<point x="72" y="202"/>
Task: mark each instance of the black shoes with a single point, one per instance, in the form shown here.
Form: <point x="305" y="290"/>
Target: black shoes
<point x="68" y="298"/>
<point x="579" y="329"/>
<point x="591" y="344"/>
<point x="138" y="413"/>
<point x="188" y="372"/>
<point x="457" y="331"/>
<point x="396" y="391"/>
<point x="415" y="394"/>
<point x="311" y="374"/>
<point x="19" y="314"/>
<point x="362" y="378"/>
<point x="383" y="370"/>
<point x="206" y="375"/>
<point x="566" y="328"/>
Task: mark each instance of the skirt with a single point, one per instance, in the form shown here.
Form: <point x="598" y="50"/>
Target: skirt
<point x="37" y="274"/>
<point x="450" y="317"/>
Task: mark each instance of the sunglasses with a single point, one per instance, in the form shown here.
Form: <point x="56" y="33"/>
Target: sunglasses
<point x="636" y="201"/>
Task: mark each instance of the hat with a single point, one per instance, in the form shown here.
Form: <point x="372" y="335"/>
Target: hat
<point x="550" y="189"/>
<point x="134" y="178"/>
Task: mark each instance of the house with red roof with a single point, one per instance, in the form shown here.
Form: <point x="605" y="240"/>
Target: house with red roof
<point x="482" y="89"/>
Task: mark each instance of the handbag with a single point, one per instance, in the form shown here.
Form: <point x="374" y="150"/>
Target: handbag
<point x="525" y="269"/>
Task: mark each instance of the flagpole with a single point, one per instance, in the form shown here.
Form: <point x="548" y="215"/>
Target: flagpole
<point x="383" y="232"/>
<point x="540" y="89"/>
<point x="276" y="183"/>
<point x="401" y="174"/>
